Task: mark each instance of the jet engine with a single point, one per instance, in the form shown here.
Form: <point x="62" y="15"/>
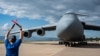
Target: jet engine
<point x="41" y="32"/>
<point x="27" y="34"/>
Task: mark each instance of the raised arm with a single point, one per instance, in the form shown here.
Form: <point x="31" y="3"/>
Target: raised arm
<point x="21" y="32"/>
<point x="7" y="34"/>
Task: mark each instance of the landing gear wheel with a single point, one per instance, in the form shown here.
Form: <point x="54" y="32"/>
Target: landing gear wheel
<point x="82" y="43"/>
<point x="70" y="44"/>
<point x="60" y="43"/>
<point x="66" y="43"/>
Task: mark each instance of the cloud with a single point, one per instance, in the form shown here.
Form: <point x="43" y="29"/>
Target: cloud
<point x="5" y="26"/>
<point x="50" y="19"/>
<point x="53" y="9"/>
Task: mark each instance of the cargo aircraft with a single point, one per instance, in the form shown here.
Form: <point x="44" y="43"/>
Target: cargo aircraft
<point x="69" y="29"/>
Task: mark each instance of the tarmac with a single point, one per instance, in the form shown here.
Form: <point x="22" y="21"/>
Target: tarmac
<point x="51" y="48"/>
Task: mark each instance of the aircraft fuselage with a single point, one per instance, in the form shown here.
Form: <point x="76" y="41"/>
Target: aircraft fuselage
<point x="69" y="28"/>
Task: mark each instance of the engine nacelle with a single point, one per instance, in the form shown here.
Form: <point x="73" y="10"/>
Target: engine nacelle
<point x="41" y="32"/>
<point x="27" y="34"/>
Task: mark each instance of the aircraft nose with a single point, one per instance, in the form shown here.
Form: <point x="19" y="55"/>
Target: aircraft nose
<point x="65" y="23"/>
<point x="69" y="26"/>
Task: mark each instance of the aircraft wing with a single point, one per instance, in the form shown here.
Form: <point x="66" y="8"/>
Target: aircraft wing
<point x="90" y="27"/>
<point x="45" y="28"/>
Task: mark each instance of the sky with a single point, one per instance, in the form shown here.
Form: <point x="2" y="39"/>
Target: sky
<point x="33" y="13"/>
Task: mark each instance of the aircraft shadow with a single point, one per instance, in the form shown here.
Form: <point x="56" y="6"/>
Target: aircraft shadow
<point x="89" y="45"/>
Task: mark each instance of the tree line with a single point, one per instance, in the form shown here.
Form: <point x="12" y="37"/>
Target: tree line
<point x="93" y="38"/>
